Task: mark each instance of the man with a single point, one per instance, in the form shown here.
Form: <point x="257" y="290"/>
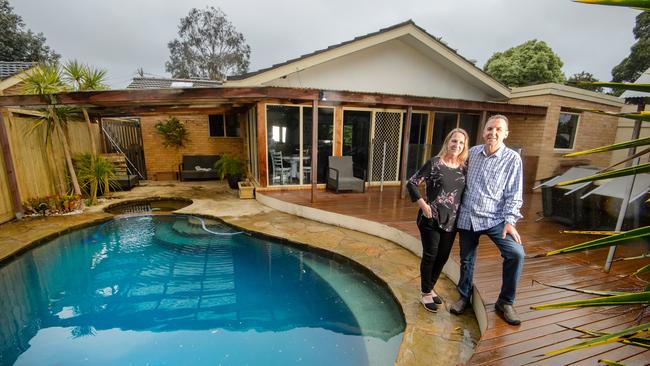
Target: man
<point x="490" y="206"/>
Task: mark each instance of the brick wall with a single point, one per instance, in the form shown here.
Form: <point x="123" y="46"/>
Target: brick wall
<point x="162" y="162"/>
<point x="537" y="134"/>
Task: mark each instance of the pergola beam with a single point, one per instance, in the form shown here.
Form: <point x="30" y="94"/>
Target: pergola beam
<point x="152" y="98"/>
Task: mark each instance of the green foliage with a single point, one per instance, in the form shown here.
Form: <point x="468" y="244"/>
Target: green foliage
<point x="639" y="59"/>
<point x="54" y="205"/>
<point x="583" y="80"/>
<point x="622" y="238"/>
<point x="532" y="62"/>
<point x="84" y="77"/>
<point x="230" y="166"/>
<point x="94" y="172"/>
<point x="173" y="132"/>
<point x="51" y="78"/>
<point x="636" y="335"/>
<point x="64" y="114"/>
<point x="638" y="4"/>
<point x="44" y="79"/>
<point x="623" y="172"/>
<point x="610" y="363"/>
<point x="634" y="298"/>
<point x="618" y="146"/>
<point x="208" y="46"/>
<point x="18" y="43"/>
<point x="605" y="338"/>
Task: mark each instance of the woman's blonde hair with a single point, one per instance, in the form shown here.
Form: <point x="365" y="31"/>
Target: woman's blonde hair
<point x="463" y="155"/>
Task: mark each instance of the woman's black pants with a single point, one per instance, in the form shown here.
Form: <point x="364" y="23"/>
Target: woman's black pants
<point x="436" y="246"/>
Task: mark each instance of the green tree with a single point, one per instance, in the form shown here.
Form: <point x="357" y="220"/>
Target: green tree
<point x="82" y="77"/>
<point x="532" y="62"/>
<point x="18" y="43"/>
<point x="583" y="77"/>
<point x="639" y="59"/>
<point x="208" y="46"/>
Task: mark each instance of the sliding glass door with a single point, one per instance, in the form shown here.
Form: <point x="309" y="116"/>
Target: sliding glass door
<point x="356" y="138"/>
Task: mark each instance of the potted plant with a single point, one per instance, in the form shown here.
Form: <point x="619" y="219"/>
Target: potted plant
<point x="246" y="189"/>
<point x="231" y="167"/>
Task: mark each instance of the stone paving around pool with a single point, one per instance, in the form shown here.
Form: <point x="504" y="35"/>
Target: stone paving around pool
<point x="429" y="339"/>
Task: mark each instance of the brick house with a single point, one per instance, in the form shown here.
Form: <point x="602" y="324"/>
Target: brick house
<point x="397" y="87"/>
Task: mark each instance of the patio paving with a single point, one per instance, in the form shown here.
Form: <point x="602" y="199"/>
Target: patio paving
<point x="429" y="339"/>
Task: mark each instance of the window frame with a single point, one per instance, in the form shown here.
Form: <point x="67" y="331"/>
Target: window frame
<point x="224" y="126"/>
<point x="575" y="132"/>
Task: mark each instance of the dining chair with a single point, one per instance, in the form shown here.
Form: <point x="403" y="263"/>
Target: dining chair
<point x="280" y="173"/>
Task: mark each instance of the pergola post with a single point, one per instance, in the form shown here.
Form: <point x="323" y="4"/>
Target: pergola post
<point x="405" y="151"/>
<point x="314" y="149"/>
<point x="10" y="170"/>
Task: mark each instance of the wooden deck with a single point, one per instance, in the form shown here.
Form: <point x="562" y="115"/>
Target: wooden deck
<point x="540" y="331"/>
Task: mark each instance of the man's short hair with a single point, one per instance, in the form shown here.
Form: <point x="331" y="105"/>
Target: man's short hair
<point x="499" y="116"/>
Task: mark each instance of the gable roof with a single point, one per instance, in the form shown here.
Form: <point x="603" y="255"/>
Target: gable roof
<point x="408" y="31"/>
<point x="168" y="83"/>
<point x="11" y="74"/>
<point x="566" y="91"/>
<point x="11" y="68"/>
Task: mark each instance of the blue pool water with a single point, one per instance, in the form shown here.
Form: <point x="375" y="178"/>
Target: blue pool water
<point x="161" y="290"/>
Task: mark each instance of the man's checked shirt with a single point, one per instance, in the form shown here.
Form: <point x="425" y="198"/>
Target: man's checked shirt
<point x="494" y="189"/>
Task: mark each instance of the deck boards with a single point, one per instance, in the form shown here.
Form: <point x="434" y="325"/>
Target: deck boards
<point x="540" y="331"/>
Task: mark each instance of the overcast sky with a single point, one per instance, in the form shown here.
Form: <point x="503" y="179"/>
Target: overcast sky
<point x="124" y="35"/>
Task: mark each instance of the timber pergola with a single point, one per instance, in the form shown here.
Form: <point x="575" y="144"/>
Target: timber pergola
<point x="134" y="102"/>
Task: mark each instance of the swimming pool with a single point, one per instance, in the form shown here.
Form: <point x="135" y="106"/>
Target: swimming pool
<point x="185" y="290"/>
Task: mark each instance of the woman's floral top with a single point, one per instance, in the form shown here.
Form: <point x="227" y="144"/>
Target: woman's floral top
<point x="445" y="187"/>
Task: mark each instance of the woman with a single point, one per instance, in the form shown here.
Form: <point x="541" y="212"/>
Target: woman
<point x="444" y="175"/>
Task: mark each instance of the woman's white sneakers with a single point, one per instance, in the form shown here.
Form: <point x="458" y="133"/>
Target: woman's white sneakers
<point x="428" y="302"/>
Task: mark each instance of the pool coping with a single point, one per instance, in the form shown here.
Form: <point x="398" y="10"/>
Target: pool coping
<point x="412" y="244"/>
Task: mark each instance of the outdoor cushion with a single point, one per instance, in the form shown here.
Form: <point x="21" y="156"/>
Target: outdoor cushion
<point x="198" y="167"/>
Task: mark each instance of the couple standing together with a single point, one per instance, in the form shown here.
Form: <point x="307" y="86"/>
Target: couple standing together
<point x="476" y="191"/>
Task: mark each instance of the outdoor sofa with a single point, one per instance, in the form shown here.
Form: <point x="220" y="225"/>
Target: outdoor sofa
<point x="198" y="167"/>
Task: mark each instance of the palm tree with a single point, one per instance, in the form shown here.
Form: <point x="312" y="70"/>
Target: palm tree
<point x="46" y="79"/>
<point x="83" y="77"/>
<point x="93" y="172"/>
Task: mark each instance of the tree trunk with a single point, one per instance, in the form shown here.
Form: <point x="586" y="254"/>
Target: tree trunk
<point x="90" y="133"/>
<point x="66" y="151"/>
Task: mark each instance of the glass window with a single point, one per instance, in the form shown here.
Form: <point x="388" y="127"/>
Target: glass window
<point x="232" y="125"/>
<point x="418" y="150"/>
<point x="221" y="125"/>
<point x="469" y="123"/>
<point x="443" y="123"/>
<point x="566" y="131"/>
<point x="283" y="140"/>
<point x="216" y="125"/>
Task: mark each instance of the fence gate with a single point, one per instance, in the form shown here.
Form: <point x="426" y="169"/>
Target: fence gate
<point x="124" y="135"/>
<point x="386" y="127"/>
